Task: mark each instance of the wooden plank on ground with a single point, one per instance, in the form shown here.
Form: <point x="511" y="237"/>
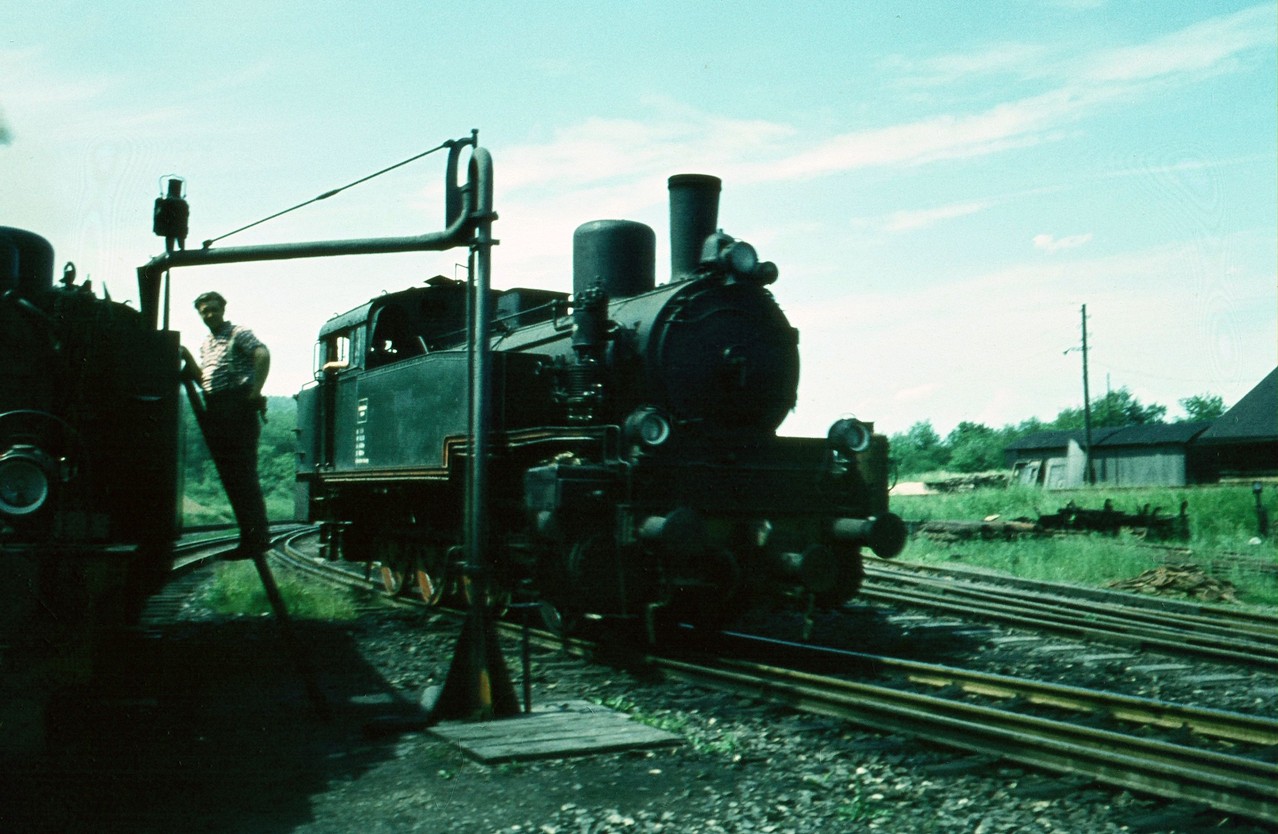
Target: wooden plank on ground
<point x="570" y="728"/>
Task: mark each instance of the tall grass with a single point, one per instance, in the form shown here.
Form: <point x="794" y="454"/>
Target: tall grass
<point x="1222" y="521"/>
<point x="237" y="589"/>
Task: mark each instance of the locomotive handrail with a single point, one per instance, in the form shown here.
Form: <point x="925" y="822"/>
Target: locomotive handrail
<point x="460" y="214"/>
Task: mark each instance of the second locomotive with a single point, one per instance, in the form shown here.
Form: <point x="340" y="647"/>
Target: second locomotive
<point x="636" y="468"/>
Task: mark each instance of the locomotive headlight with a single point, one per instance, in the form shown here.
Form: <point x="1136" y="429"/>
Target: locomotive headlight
<point x="24" y="481"/>
<point x="647" y="426"/>
<point x="725" y="253"/>
<point x="849" y="436"/>
<point x="740" y="258"/>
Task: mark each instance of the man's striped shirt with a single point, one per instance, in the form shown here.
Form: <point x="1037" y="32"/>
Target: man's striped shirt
<point x="226" y="358"/>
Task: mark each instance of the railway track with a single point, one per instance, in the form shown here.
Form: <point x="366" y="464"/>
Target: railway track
<point x="1211" y="632"/>
<point x="194" y="551"/>
<point x="1042" y="725"/>
<point x="1228" y="783"/>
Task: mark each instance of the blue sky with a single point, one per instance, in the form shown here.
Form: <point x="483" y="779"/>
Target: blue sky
<point x="941" y="186"/>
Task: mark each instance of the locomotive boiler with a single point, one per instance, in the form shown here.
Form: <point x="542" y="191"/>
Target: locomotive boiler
<point x="635" y="466"/>
<point x="88" y="448"/>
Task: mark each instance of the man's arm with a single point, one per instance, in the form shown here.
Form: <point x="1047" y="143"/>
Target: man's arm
<point x="261" y="367"/>
<point x="190" y="368"/>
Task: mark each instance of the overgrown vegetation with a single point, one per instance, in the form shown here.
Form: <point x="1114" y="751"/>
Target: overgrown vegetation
<point x="975" y="447"/>
<point x="704" y="737"/>
<point x="237" y="589"/>
<point x="1222" y="526"/>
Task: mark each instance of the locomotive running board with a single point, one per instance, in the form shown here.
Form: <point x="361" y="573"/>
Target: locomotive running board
<point x="456" y="446"/>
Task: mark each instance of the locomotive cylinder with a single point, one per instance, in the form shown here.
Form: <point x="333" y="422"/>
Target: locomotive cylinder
<point x="682" y="532"/>
<point x="694" y="216"/>
<point x="620" y="256"/>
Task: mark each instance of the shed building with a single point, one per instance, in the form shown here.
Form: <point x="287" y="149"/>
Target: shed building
<point x="1154" y="454"/>
<point x="1243" y="442"/>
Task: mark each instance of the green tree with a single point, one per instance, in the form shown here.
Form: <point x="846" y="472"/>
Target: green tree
<point x="975" y="447"/>
<point x="206" y="500"/>
<point x="1117" y="408"/>
<point x="919" y="449"/>
<point x="1205" y="406"/>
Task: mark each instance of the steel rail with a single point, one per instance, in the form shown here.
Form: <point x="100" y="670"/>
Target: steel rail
<point x="1208" y="619"/>
<point x="1084" y="621"/>
<point x="330" y="573"/>
<point x="1230" y="784"/>
<point x="1222" y="724"/>
<point x="1221" y="617"/>
<point x="1227" y="783"/>
<point x="1232" y="726"/>
<point x="209" y="549"/>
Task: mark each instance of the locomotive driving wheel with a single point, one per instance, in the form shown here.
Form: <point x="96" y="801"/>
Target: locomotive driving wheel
<point x="395" y="579"/>
<point x="396" y="566"/>
<point x="430" y="575"/>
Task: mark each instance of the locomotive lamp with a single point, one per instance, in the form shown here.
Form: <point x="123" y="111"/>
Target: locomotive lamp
<point x="24" y="480"/>
<point x="741" y="258"/>
<point x="733" y="256"/>
<point x="172" y="216"/>
<point x="737" y="258"/>
<point x="647" y="426"/>
<point x="849" y="436"/>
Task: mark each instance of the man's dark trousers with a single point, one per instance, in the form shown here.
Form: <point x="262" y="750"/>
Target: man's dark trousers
<point x="232" y="430"/>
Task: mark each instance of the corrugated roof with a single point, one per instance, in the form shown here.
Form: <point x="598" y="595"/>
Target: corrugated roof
<point x="1110" y="437"/>
<point x="1151" y="434"/>
<point x="1056" y="439"/>
<point x="1253" y="418"/>
<point x="1045" y="440"/>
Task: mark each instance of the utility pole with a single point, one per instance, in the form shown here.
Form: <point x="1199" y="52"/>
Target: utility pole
<point x="1089" y="475"/>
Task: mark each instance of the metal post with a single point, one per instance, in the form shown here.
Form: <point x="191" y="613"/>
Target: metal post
<point x="1089" y="475"/>
<point x="1262" y="515"/>
<point x="478" y="686"/>
<point x="480" y="362"/>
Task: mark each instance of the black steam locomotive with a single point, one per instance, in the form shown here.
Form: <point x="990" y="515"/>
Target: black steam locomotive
<point x="635" y="467"/>
<point x="88" y="447"/>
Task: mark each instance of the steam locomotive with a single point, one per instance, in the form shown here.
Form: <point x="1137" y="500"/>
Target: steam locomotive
<point x="89" y="490"/>
<point x="635" y="466"/>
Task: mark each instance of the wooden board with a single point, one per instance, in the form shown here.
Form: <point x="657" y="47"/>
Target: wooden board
<point x="570" y="728"/>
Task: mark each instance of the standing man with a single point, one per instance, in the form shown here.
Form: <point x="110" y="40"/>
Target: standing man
<point x="232" y="369"/>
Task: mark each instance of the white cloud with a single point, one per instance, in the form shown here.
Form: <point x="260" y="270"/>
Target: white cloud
<point x="1051" y="243"/>
<point x="1006" y="58"/>
<point x="1202" y="48"/>
<point x="910" y="220"/>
